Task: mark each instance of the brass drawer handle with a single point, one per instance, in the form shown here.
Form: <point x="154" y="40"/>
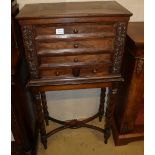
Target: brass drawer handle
<point x="76" y="60"/>
<point x="76" y="72"/>
<point x="75" y="31"/>
<point x="57" y="73"/>
<point x="94" y="70"/>
<point x="76" y="45"/>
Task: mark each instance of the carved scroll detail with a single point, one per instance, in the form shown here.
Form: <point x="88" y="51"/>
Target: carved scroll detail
<point x="140" y="66"/>
<point x="30" y="52"/>
<point x="119" y="46"/>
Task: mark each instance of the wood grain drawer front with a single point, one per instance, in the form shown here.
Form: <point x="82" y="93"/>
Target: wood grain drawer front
<point x="79" y="45"/>
<point x="74" y="30"/>
<point x="74" y="60"/>
<point x="99" y="70"/>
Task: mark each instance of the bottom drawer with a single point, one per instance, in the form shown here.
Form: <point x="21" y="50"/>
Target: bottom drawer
<point x="78" y="71"/>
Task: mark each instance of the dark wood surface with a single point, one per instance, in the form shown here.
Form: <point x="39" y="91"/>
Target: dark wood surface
<point x="23" y="125"/>
<point x="73" y="28"/>
<point x="87" y="54"/>
<point x="129" y="120"/>
<point x="136" y="32"/>
<point x="73" y="9"/>
<point x="136" y="38"/>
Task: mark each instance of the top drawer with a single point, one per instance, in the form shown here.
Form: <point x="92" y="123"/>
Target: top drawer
<point x="74" y="30"/>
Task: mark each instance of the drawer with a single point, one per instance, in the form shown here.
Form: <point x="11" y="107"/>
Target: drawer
<point x="101" y="44"/>
<point x="74" y="60"/>
<point x="98" y="70"/>
<point x="47" y="31"/>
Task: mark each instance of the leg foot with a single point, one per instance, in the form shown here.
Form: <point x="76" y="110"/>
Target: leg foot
<point x="44" y="141"/>
<point x="107" y="134"/>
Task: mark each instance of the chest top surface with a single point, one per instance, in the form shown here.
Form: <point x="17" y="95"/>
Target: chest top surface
<point x="136" y="32"/>
<point x="72" y="9"/>
<point x="135" y="39"/>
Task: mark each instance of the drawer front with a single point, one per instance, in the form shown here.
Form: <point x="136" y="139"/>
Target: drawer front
<point x="73" y="60"/>
<point x="45" y="31"/>
<point x="99" y="70"/>
<point x="77" y="45"/>
<point x="39" y="48"/>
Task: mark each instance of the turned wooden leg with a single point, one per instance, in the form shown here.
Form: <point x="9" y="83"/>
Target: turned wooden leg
<point x="111" y="99"/>
<point x="40" y="119"/>
<point x="45" y="108"/>
<point x="102" y="100"/>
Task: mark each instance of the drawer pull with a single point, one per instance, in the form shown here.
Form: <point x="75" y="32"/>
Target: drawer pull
<point x="94" y="70"/>
<point x="76" y="60"/>
<point x="75" y="31"/>
<point x="76" y="72"/>
<point x="57" y="73"/>
<point x="76" y="45"/>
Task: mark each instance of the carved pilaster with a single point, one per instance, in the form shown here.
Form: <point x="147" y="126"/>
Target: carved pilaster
<point x="139" y="65"/>
<point x="31" y="56"/>
<point x="121" y="29"/>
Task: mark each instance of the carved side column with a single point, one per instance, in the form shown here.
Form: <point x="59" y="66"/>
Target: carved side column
<point x="102" y="100"/>
<point x="139" y="66"/>
<point x="30" y="52"/>
<point x="40" y="119"/>
<point x="121" y="29"/>
<point x="45" y="108"/>
<point x="111" y="100"/>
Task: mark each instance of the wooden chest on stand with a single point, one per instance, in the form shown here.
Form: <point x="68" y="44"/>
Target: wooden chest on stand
<point x="74" y="46"/>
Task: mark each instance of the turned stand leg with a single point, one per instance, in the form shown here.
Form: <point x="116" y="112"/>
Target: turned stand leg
<point x="111" y="99"/>
<point x="40" y="119"/>
<point x="102" y="100"/>
<point x="45" y="108"/>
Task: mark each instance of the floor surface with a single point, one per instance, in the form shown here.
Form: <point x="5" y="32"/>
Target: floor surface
<point x="85" y="141"/>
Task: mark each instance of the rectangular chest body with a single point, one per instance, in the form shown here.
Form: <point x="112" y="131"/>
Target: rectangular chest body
<point x="69" y="41"/>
